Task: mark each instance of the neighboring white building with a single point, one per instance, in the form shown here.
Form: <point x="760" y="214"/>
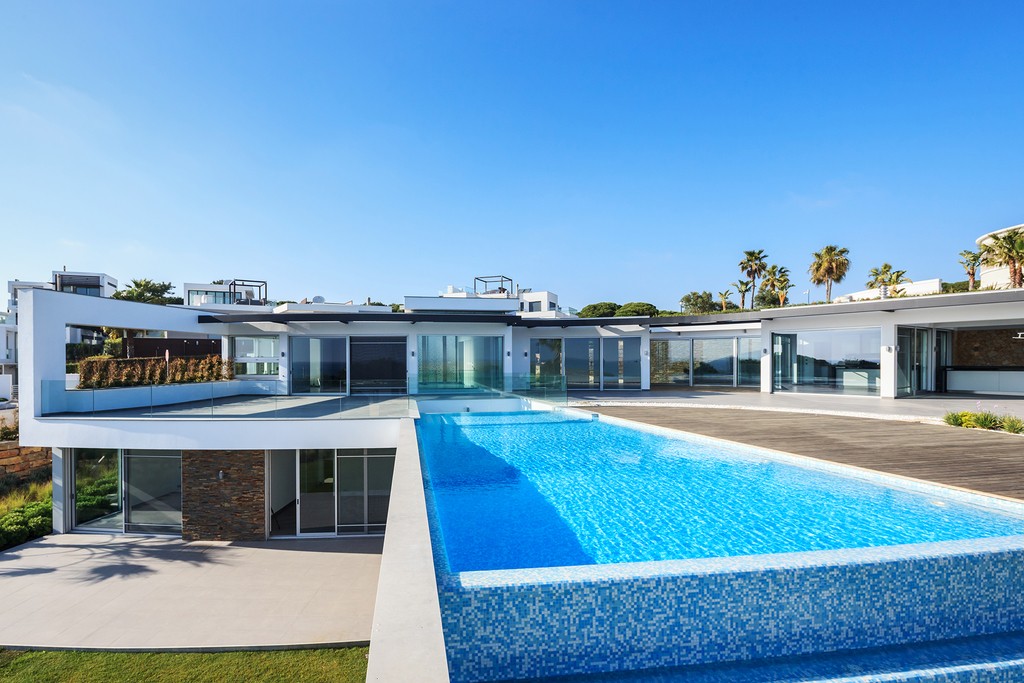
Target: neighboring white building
<point x="82" y="283"/>
<point x="994" y="277"/>
<point x="918" y="288"/>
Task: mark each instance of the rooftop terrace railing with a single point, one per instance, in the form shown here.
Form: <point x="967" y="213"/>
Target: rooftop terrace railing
<point x="232" y="399"/>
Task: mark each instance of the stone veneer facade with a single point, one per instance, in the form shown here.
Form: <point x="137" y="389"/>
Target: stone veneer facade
<point x="23" y="461"/>
<point x="228" y="509"/>
<point x="988" y="348"/>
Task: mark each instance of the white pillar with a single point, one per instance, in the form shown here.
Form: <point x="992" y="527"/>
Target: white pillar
<point x="887" y="379"/>
<point x="766" y="358"/>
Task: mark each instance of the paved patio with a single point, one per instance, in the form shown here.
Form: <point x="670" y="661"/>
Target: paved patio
<point x="125" y="592"/>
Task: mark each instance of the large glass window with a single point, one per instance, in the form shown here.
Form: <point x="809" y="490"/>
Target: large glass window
<point x="545" y="362"/>
<point x="152" y="481"/>
<point x="318" y="365"/>
<point x="377" y="365"/>
<point x="670" y="362"/>
<point x="582" y="359"/>
<point x="843" y="360"/>
<point x="749" y="362"/>
<point x="255" y="355"/>
<point x="621" y="363"/>
<point x="199" y="297"/>
<point x="364" y="489"/>
<point x="97" y="484"/>
<point x="457" y="363"/>
<point x="713" y="361"/>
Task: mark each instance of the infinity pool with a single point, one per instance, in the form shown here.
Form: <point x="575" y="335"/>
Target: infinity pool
<point x="520" y="490"/>
<point x="566" y="544"/>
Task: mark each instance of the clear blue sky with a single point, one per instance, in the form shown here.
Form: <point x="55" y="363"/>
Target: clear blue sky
<point x="624" y="151"/>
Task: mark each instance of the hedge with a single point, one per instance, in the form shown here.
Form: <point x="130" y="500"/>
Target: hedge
<point x="26" y="523"/>
<point x="101" y="372"/>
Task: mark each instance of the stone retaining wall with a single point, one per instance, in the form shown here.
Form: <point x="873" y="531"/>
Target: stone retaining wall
<point x="23" y="461"/>
<point x="228" y="508"/>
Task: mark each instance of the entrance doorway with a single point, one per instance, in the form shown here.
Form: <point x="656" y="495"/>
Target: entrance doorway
<point x="914" y="361"/>
<point x="330" y="492"/>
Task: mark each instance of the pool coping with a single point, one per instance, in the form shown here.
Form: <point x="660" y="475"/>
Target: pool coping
<point x="407" y="641"/>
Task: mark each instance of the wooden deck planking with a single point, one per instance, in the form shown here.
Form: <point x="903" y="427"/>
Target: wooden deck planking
<point x="990" y="462"/>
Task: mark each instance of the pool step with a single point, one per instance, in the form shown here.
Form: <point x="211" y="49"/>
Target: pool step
<point x="983" y="659"/>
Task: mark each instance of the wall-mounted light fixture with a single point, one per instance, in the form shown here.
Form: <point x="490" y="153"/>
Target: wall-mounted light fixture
<point x="508" y="353"/>
<point x="1020" y="336"/>
<point x="526" y="354"/>
<point x="220" y="475"/>
<point x="412" y="353"/>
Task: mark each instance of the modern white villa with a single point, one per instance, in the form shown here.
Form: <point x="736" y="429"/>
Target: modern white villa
<point x="301" y="440"/>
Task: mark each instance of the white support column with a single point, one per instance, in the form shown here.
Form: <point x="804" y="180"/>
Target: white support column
<point x="412" y="367"/>
<point x="61" y="474"/>
<point x="766" y="358"/>
<point x="645" y="361"/>
<point x="887" y="379"/>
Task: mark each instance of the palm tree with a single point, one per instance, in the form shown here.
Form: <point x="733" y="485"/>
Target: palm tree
<point x="776" y="282"/>
<point x="753" y="266"/>
<point x="830" y="265"/>
<point x="887" y="277"/>
<point x="742" y="287"/>
<point x="724" y="297"/>
<point x="1006" y="250"/>
<point x="970" y="260"/>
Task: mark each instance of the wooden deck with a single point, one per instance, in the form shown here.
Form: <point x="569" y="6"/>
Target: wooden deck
<point x="990" y="462"/>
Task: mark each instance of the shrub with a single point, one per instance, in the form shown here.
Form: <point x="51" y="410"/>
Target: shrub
<point x="29" y="521"/>
<point x="8" y="432"/>
<point x="1012" y="424"/>
<point x="983" y="420"/>
<point x="100" y="372"/>
<point x="954" y="418"/>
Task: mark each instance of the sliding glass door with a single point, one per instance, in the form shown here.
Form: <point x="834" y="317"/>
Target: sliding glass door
<point x="316" y="491"/>
<point x="319" y="365"/>
<point x="97" y="489"/>
<point x="152" y="483"/>
<point x="328" y="491"/>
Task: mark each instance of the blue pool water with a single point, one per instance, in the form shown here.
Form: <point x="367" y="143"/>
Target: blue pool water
<point x="529" y="490"/>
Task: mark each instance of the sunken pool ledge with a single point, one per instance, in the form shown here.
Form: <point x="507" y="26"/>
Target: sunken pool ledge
<point x="407" y="642"/>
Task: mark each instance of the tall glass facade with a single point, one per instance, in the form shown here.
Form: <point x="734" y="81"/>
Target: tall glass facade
<point x="620" y="364"/>
<point x="670" y="362"/>
<point x="545" y="361"/>
<point x="713" y="361"/>
<point x="319" y="365"/>
<point x="748" y="362"/>
<point x="97" y="484"/>
<point x="582" y="363"/>
<point x="460" y="363"/>
<point x="152" y="483"/>
<point x="838" y="360"/>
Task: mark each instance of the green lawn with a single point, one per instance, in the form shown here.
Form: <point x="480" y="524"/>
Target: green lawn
<point x="343" y="666"/>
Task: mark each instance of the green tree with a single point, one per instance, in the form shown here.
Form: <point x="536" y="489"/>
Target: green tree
<point x="776" y="284"/>
<point x="742" y="287"/>
<point x="724" y="298"/>
<point x="602" y="309"/>
<point x="1007" y="250"/>
<point x="637" y="308"/>
<point x="888" y="277"/>
<point x="970" y="260"/>
<point x="753" y="266"/>
<point x="697" y="303"/>
<point x="397" y="308"/>
<point x="830" y="265"/>
<point x="147" y="291"/>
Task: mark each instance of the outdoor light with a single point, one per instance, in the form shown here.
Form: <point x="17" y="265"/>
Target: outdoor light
<point x="1020" y="336"/>
<point x="220" y="475"/>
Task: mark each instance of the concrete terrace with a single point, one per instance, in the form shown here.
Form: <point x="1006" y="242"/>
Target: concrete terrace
<point x="97" y="591"/>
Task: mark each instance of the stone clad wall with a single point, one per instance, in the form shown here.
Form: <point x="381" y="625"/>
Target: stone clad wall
<point x="23" y="461"/>
<point x="988" y="348"/>
<point x="228" y="509"/>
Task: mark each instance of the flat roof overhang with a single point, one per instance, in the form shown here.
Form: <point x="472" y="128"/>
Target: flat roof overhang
<point x="939" y="301"/>
<point x="513" y="320"/>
